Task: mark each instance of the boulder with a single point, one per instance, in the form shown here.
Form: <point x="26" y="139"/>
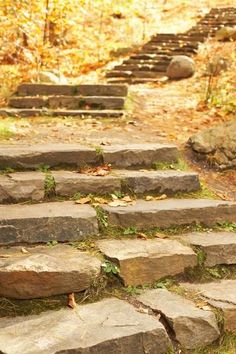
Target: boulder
<point x="217" y="145"/>
<point x="180" y="67"/>
<point x="226" y="34"/>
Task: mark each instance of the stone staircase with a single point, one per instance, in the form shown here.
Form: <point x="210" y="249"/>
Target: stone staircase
<point x="67" y="100"/>
<point x="152" y="60"/>
<point x="44" y="226"/>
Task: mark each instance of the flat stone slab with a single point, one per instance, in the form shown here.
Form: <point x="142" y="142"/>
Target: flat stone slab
<point x="45" y="271"/>
<point x="109" y="326"/>
<point x="17" y="187"/>
<point x="221" y="295"/>
<point x="133" y="155"/>
<point x="164" y="213"/>
<point x="145" y="261"/>
<point x="70" y="90"/>
<point x="61" y="221"/>
<point x="168" y="182"/>
<point x="192" y="326"/>
<point x="68" y="183"/>
<point x="219" y="247"/>
<point x="42" y="112"/>
<point x="24" y="186"/>
<point x="67" y="102"/>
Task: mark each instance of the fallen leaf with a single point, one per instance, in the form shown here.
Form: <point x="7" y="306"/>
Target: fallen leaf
<point x="24" y="250"/>
<point x="161" y="197"/>
<point x="160" y="235"/>
<point x="127" y="199"/>
<point x="102" y="171"/>
<point x="117" y="203"/>
<point x="142" y="236"/>
<point x="149" y="198"/>
<point x="85" y="200"/>
<point x="71" y="301"/>
<point x="100" y="200"/>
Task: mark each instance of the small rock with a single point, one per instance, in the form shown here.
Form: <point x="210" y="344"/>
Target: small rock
<point x="181" y="67"/>
<point x="226" y="33"/>
<point x="217" y="145"/>
<point x="193" y="327"/>
<point x="221" y="295"/>
<point x="46" y="271"/>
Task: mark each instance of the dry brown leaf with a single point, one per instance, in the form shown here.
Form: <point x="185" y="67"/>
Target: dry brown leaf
<point x="161" y="197"/>
<point x="102" y="171"/>
<point x="149" y="198"/>
<point x="71" y="301"/>
<point x="24" y="250"/>
<point x="100" y="200"/>
<point x="142" y="236"/>
<point x="160" y="235"/>
<point x="127" y="199"/>
<point x="85" y="200"/>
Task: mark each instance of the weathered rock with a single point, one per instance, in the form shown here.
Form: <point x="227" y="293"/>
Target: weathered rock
<point x="180" y="67"/>
<point x="169" y="212"/>
<point x="61" y="221"/>
<point x="17" y="187"/>
<point x="138" y="155"/>
<point x="217" y="145"/>
<point x="219" y="247"/>
<point x="169" y="182"/>
<point x="145" y="261"/>
<point x="221" y="295"/>
<point x="109" y="326"/>
<point x="45" y="271"/>
<point x="192" y="326"/>
<point x="31" y="157"/>
<point x="226" y="33"/>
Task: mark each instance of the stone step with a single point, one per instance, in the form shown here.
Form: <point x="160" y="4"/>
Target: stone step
<point x="180" y="39"/>
<point x="140" y="67"/>
<point x="222" y="296"/>
<point x="43" y="112"/>
<point x="165" y="213"/>
<point x="170" y="46"/>
<point x="45" y="271"/>
<point x="25" y="186"/>
<point x="108" y="326"/>
<point x="72" y="90"/>
<point x="146" y="261"/>
<point x="219" y="247"/>
<point x="146" y="62"/>
<point x="193" y="327"/>
<point x="149" y="57"/>
<point x="125" y="156"/>
<point x="45" y="222"/>
<point x="170" y="51"/>
<point x="133" y="81"/>
<point x="68" y="102"/>
<point x="134" y="74"/>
